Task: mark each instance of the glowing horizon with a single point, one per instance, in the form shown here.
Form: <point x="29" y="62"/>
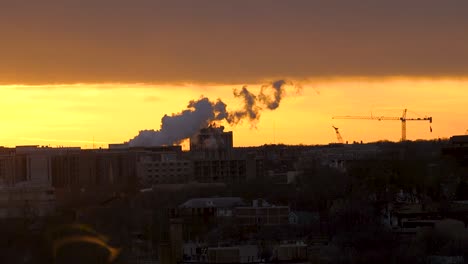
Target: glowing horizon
<point x="80" y="114"/>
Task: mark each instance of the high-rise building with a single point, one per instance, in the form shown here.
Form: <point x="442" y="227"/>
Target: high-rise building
<point x="26" y="181"/>
<point x="212" y="143"/>
<point x="213" y="160"/>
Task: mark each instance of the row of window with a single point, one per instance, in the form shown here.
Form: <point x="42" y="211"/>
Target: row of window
<point x="167" y="170"/>
<point x="166" y="164"/>
<point x="167" y="175"/>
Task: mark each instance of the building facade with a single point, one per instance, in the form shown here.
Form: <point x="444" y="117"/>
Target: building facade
<point x="163" y="168"/>
<point x="262" y="214"/>
<point x="26" y="189"/>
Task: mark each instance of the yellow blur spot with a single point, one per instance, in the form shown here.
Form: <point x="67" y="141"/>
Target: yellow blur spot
<point x="113" y="252"/>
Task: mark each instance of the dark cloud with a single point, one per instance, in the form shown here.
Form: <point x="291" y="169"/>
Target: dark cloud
<point x="234" y="41"/>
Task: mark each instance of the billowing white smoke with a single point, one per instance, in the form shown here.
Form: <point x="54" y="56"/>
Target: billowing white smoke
<point x="175" y="128"/>
<point x="202" y="112"/>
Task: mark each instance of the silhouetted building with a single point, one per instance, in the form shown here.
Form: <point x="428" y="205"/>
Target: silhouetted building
<point x="26" y="201"/>
<point x="233" y="254"/>
<point x="220" y="171"/>
<point x="458" y="148"/>
<point x="29" y="165"/>
<point x="171" y="245"/>
<point x="262" y="213"/>
<point x="164" y="167"/>
<point x="26" y="181"/>
<point x="213" y="161"/>
<point x="90" y="169"/>
<point x="290" y="252"/>
<point x="212" y="143"/>
<point x="459" y="141"/>
<point x="216" y="206"/>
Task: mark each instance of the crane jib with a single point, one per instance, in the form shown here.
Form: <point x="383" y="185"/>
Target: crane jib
<point x="403" y="120"/>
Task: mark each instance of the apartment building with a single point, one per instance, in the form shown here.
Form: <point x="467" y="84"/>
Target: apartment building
<point x="164" y="168"/>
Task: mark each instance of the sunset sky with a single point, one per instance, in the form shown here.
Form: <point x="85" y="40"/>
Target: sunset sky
<point x="77" y="72"/>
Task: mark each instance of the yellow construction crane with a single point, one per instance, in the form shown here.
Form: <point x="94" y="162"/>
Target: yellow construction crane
<point x="403" y="120"/>
<point x="338" y="135"/>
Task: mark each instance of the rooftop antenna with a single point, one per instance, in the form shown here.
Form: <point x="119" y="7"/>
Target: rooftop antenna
<point x="274" y="132"/>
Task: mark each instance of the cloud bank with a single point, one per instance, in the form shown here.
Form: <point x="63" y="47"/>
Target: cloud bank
<point x="231" y="41"/>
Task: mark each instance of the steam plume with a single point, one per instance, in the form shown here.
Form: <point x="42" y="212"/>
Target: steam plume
<point x="273" y="103"/>
<point x="250" y="110"/>
<point x="202" y="112"/>
<point x="183" y="125"/>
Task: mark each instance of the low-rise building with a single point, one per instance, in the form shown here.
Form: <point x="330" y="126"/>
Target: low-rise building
<point x="234" y="254"/>
<point x="26" y="201"/>
<point x="458" y="149"/>
<point x="288" y="252"/>
<point x="225" y="171"/>
<point x="217" y="206"/>
<point x="303" y="218"/>
<point x="288" y="177"/>
<point x="261" y="213"/>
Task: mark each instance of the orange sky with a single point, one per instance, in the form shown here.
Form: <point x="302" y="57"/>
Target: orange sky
<point x="109" y="45"/>
<point x="75" y="115"/>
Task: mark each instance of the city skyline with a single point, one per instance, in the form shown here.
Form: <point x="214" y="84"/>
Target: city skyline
<point x="234" y="131"/>
<point x="62" y="115"/>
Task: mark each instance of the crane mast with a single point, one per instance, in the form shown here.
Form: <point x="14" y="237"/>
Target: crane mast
<point x="403" y="120"/>
<point x="338" y="135"/>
